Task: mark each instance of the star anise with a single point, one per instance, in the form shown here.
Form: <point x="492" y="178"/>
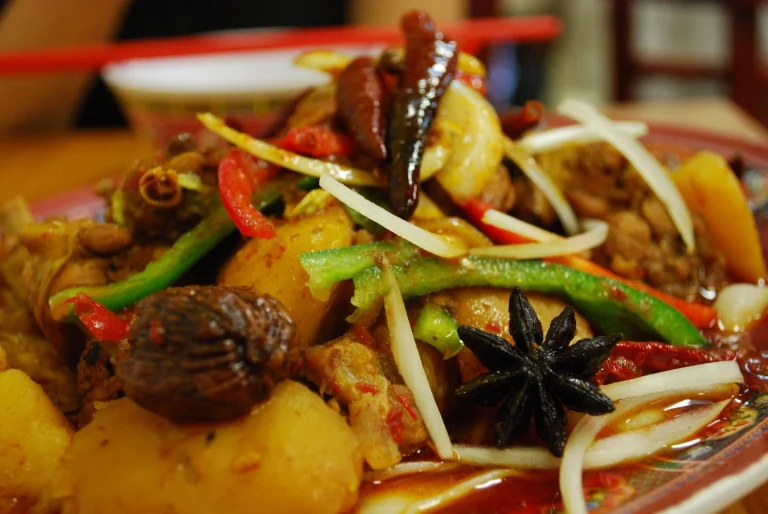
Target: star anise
<point x="537" y="378"/>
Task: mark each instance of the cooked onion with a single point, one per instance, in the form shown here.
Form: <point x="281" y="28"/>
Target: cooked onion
<point x="408" y="361"/>
<point x="463" y="488"/>
<point x="553" y="139"/>
<point x="596" y="234"/>
<point x="643" y="161"/>
<point x="288" y="160"/>
<point x="541" y="180"/>
<point x="410" y="468"/>
<point x="647" y="441"/>
<point x="517" y="226"/>
<point x="604" y="453"/>
<point x="428" y="241"/>
<point x="584" y="434"/>
<point x="701" y="376"/>
<point x="476" y="151"/>
<point x="519" y="457"/>
<point x="740" y="305"/>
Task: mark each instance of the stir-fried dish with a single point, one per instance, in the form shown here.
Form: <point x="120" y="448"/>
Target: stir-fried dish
<point x="398" y="300"/>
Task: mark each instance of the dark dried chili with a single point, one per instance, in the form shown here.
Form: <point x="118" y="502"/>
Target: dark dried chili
<point x="360" y="97"/>
<point x="515" y="123"/>
<point x="538" y="376"/>
<point x="430" y="65"/>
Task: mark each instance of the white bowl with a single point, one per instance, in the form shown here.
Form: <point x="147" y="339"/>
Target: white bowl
<point x="161" y="96"/>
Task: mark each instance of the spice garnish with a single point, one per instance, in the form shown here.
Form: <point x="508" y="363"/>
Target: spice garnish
<point x="537" y="377"/>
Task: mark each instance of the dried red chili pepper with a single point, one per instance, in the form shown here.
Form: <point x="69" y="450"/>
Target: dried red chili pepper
<point x="430" y="65"/>
<point x="102" y="323"/>
<point x="316" y="141"/>
<point x="360" y="99"/>
<point x="515" y="123"/>
<point x="631" y="360"/>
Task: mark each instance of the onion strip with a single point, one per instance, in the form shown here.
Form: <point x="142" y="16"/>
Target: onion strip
<point x="452" y="494"/>
<point x="424" y="239"/>
<point x="604" y="453"/>
<point x="284" y="158"/>
<point x="517" y="226"/>
<point x="556" y="138"/>
<point x="409" y="468"/>
<point x="701" y="376"/>
<point x="644" y="442"/>
<point x="596" y="234"/>
<point x="643" y="161"/>
<point x="408" y="361"/>
<point x="543" y="182"/>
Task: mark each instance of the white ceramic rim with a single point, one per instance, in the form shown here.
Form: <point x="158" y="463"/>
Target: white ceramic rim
<point x="724" y="492"/>
<point x="228" y="73"/>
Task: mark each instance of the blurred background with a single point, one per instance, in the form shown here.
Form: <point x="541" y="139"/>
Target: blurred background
<point x="609" y="50"/>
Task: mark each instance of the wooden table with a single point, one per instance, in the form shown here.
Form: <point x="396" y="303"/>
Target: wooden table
<point x="44" y="165"/>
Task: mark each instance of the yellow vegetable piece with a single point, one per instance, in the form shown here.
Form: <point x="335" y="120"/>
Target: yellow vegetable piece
<point x="33" y="437"/>
<point x="272" y="266"/>
<point x="290" y="454"/>
<point x="711" y="190"/>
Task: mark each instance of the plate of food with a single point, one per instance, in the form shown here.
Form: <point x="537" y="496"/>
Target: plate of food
<point x="399" y="301"/>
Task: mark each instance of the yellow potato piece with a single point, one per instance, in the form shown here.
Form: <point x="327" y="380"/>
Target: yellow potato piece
<point x="272" y="266"/>
<point x="33" y="437"/>
<point x="291" y="454"/>
<point x="711" y="190"/>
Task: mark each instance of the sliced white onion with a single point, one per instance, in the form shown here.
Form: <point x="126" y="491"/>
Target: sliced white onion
<point x="553" y="139"/>
<point x="517" y="226"/>
<point x="409" y="468"/>
<point x="701" y="376"/>
<point x="639" y="444"/>
<point x="408" y="361"/>
<point x="604" y="453"/>
<point x="463" y="488"/>
<point x="424" y="239"/>
<point x="740" y="305"/>
<point x="284" y="158"/>
<point x="596" y="234"/>
<point x="643" y="161"/>
<point x="541" y="180"/>
<point x="518" y="457"/>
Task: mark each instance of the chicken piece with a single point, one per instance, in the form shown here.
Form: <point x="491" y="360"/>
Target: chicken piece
<point x="382" y="412"/>
<point x="499" y="192"/>
<point x="96" y="379"/>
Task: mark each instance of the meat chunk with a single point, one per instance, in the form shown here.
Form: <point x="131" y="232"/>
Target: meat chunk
<point x="500" y="192"/>
<point x="381" y="409"/>
<point x="643" y="242"/>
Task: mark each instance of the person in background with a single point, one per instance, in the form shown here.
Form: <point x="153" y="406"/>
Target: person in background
<point x="55" y="102"/>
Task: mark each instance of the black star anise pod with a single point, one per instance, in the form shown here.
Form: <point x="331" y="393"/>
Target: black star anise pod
<point x="538" y="376"/>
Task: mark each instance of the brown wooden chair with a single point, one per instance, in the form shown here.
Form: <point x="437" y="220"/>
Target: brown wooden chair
<point x="742" y="74"/>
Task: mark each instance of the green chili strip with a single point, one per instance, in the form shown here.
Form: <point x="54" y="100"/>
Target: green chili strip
<point x="437" y="328"/>
<point x="162" y="273"/>
<point x="327" y="267"/>
<point x="609" y="305"/>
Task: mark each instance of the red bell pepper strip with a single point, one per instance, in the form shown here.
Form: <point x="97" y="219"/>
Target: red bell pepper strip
<point x="701" y="316"/>
<point x="239" y="176"/>
<point x="316" y="141"/>
<point x="630" y="359"/>
<point x="102" y="323"/>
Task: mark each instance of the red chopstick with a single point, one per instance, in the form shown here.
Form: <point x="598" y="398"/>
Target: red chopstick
<point x="469" y="34"/>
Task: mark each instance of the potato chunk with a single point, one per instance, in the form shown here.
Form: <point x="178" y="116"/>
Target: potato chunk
<point x="291" y="454"/>
<point x="33" y="437"/>
<point x="272" y="266"/>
